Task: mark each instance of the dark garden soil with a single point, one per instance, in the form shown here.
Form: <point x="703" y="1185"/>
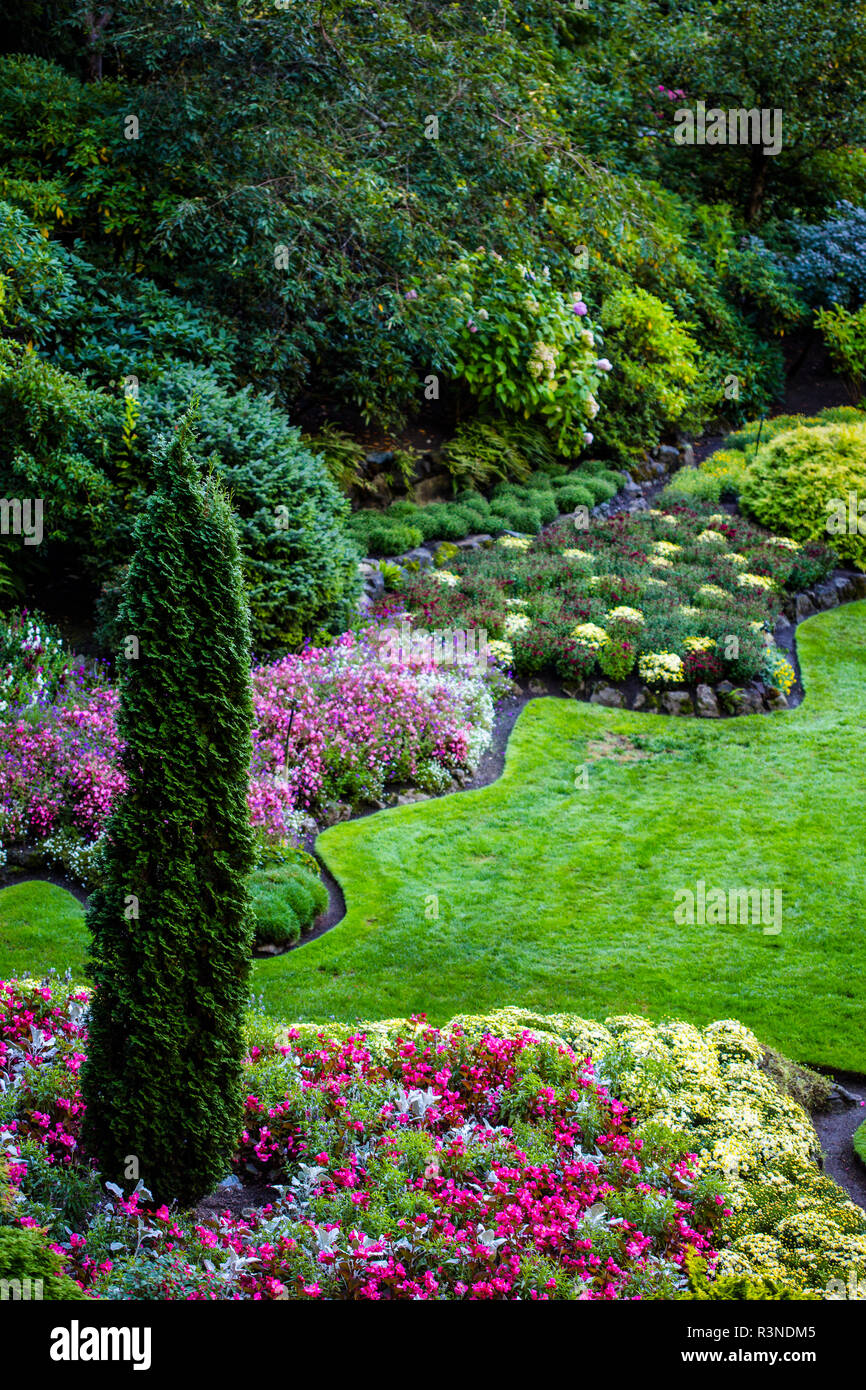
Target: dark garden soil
<point x="835" y="1129"/>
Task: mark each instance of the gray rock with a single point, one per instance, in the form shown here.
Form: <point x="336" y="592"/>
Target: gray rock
<point x="724" y="688"/>
<point x="374" y="579"/>
<point x="859" y="583"/>
<point x="365" y="603"/>
<point x="646" y="700"/>
<point x="751" y="702"/>
<point x="379" y="459"/>
<point x="687" y="454"/>
<point x="826" y="595"/>
<point x="844" y="588"/>
<point x="706" y="703"/>
<point x="474" y="542"/>
<point x="630" y="486"/>
<point x="775" y="699"/>
<point x="407" y="798"/>
<point x="229" y="1182"/>
<point x="668" y="456"/>
<point x="677" y="702"/>
<point x="609" y="697"/>
<point x="804" y="607"/>
<point x="423" y="556"/>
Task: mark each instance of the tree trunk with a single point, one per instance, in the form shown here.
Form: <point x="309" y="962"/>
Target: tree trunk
<point x="758" y="188"/>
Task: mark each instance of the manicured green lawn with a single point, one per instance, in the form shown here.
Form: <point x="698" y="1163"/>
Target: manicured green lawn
<point x="40" y="925"/>
<point x="556" y="898"/>
<point x="559" y="898"/>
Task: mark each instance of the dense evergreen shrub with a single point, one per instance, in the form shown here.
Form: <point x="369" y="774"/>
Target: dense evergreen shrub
<point x="829" y="265"/>
<point x="299" y="566"/>
<point x="799" y="485"/>
<point x="170" y="921"/>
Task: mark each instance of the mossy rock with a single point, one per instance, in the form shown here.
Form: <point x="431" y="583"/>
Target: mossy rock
<point x="808" y="1088"/>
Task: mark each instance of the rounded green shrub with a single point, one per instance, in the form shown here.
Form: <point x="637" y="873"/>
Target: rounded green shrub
<point x="859" y="1142"/>
<point x="300" y="569"/>
<point x="286" y="900"/>
<point x="27" y="1261"/>
<point x="600" y="486"/>
<point x="376" y="534"/>
<point x="800" y="485"/>
<point x="517" y="516"/>
<point x="576" y="495"/>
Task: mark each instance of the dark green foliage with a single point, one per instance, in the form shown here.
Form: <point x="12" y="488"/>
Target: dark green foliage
<point x="575" y="495"/>
<point x="376" y="533"/>
<point x="170" y="922"/>
<point x="859" y="1142"/>
<point x="300" y="570"/>
<point x="25" y="1255"/>
<point x="57" y="443"/>
<point x="286" y="900"/>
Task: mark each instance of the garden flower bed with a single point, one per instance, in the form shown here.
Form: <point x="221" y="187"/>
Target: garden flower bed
<point x="512" y="1156"/>
<point x="674" y="597"/>
<point x="334" y="727"/>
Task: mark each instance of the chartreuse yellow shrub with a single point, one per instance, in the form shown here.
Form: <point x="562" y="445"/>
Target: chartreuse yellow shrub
<point x="789" y="1227"/>
<point x="801" y="484"/>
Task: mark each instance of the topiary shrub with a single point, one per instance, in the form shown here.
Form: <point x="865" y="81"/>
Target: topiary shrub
<point x="30" y="1269"/>
<point x="576" y="495"/>
<point x="170" y="920"/>
<point x="799" y="486"/>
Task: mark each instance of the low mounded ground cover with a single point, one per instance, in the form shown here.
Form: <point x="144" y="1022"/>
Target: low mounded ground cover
<point x="502" y="1157"/>
<point x="512" y="506"/>
<point x="563" y="896"/>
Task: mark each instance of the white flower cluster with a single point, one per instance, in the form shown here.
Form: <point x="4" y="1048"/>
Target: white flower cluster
<point x="754" y="581"/>
<point x="665" y="668"/>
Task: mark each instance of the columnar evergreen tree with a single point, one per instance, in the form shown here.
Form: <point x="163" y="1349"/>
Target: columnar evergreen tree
<point x="170" y="924"/>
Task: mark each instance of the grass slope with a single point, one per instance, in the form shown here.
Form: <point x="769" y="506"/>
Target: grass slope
<point x="40" y="925"/>
<point x="558" y="898"/>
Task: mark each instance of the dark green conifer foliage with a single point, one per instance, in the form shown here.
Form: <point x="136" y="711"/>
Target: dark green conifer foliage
<point x="171" y="925"/>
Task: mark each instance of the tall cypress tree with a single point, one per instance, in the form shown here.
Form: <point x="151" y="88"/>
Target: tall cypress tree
<point x="171" y="927"/>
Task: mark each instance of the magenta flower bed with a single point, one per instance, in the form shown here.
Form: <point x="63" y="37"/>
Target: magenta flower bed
<point x="332" y="723"/>
<point x="438" y="1166"/>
